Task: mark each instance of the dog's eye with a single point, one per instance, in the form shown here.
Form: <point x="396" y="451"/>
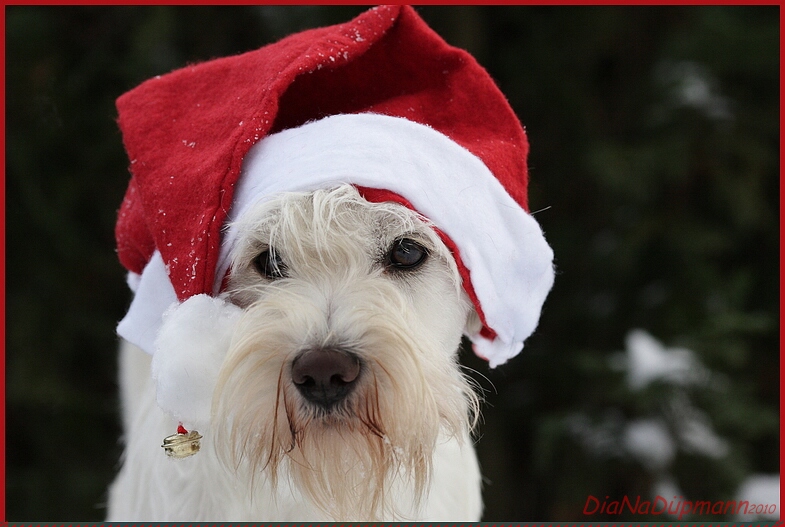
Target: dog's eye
<point x="406" y="254"/>
<point x="270" y="265"/>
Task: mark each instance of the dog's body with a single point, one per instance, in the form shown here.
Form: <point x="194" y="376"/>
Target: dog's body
<point x="340" y="397"/>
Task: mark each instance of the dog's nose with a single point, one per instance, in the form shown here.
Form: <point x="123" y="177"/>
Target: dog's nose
<point x="325" y="376"/>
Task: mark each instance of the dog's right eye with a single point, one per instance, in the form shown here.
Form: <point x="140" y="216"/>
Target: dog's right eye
<point x="270" y="265"/>
<point x="406" y="254"/>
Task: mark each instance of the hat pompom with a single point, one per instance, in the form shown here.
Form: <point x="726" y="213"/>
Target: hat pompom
<point x="189" y="350"/>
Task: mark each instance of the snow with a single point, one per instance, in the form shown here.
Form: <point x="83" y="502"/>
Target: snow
<point x="650" y="441"/>
<point x="678" y="425"/>
<point x="648" y="360"/>
<point x="667" y="488"/>
<point x="760" y="489"/>
<point x="692" y="85"/>
<point x="697" y="435"/>
<point x="600" y="438"/>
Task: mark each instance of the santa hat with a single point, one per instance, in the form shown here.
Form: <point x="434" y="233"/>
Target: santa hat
<point x="380" y="102"/>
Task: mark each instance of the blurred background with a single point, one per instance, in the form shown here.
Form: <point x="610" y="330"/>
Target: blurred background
<point x="654" y="166"/>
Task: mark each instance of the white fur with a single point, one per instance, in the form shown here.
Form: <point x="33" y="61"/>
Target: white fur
<point x="398" y="447"/>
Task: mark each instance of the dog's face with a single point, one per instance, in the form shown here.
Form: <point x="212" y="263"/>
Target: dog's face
<point x="343" y="372"/>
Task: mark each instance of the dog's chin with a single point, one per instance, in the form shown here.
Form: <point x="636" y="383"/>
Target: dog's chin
<point x="347" y="458"/>
<point x="342" y="458"/>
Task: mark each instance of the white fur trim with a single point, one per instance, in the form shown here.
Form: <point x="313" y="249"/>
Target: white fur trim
<point x="133" y="279"/>
<point x="189" y="351"/>
<point x="152" y="297"/>
<point x="502" y="246"/>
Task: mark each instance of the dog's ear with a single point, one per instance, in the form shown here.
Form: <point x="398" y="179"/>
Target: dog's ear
<point x="473" y="322"/>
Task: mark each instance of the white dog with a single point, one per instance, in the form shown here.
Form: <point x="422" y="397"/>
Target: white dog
<point x="309" y="229"/>
<point x="341" y="396"/>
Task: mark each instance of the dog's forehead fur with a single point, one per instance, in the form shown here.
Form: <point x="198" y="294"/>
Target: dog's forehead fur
<point x="332" y="235"/>
<point x="329" y="226"/>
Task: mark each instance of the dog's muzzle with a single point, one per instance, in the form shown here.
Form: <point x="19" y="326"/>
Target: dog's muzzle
<point x="326" y="376"/>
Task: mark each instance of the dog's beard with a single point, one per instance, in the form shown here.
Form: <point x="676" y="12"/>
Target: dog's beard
<point x="346" y="459"/>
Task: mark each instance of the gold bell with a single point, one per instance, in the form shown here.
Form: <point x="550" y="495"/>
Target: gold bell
<point x="182" y="444"/>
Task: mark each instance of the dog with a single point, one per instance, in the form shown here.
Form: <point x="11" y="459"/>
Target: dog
<point x="340" y="397"/>
<point x="309" y="230"/>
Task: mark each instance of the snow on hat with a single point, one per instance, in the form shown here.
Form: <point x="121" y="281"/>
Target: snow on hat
<point x="380" y="102"/>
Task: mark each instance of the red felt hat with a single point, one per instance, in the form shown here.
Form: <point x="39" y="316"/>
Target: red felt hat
<point x="189" y="133"/>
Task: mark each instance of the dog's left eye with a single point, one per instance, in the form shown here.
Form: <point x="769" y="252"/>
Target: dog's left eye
<point x="406" y="254"/>
<point x="270" y="265"/>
